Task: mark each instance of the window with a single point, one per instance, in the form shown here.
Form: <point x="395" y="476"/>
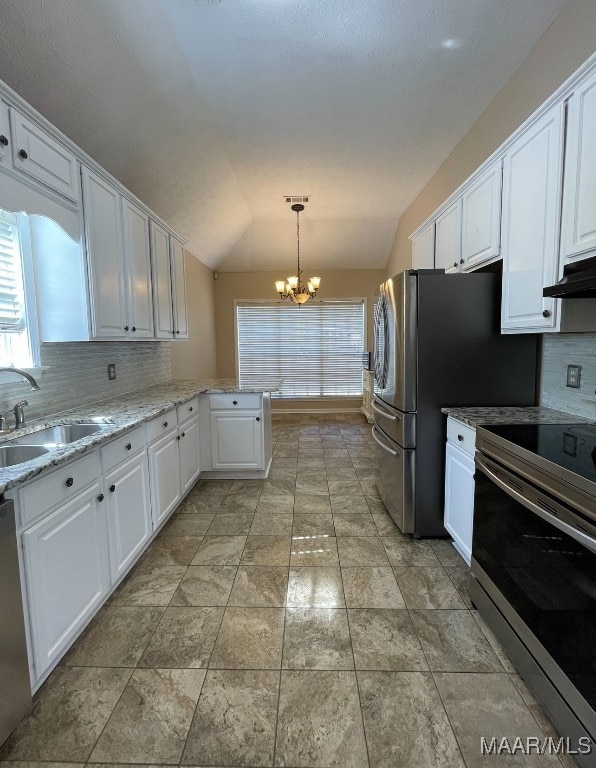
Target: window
<point x="17" y="308"/>
<point x="316" y="349"/>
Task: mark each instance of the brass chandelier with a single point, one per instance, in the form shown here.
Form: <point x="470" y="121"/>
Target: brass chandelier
<point x="293" y="288"/>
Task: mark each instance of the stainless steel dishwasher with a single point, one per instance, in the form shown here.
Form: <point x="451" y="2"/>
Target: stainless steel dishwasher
<point x="15" y="700"/>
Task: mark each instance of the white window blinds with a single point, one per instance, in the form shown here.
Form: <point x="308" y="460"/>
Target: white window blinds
<point x="316" y="349"/>
<point x="12" y="296"/>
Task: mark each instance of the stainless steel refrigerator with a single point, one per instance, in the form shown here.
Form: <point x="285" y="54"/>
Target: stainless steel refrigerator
<point x="437" y="344"/>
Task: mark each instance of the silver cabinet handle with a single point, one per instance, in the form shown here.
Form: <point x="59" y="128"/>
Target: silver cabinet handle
<point x="382" y="445"/>
<point x="581" y="538"/>
<point x="389" y="416"/>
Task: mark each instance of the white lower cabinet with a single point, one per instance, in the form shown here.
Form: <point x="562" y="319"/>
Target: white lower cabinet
<point x="164" y="470"/>
<point x="459" y="486"/>
<point x="67" y="573"/>
<point x="129" y="512"/>
<point x="189" y="453"/>
<point x="236" y="440"/>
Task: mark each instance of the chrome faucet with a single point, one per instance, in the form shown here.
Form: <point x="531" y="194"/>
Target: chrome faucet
<point x="18" y="409"/>
<point x="24" y="374"/>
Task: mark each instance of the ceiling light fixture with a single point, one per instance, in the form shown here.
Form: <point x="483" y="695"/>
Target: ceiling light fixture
<point x="294" y="289"/>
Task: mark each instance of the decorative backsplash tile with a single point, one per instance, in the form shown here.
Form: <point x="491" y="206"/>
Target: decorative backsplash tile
<point x="78" y="374"/>
<point x="559" y="351"/>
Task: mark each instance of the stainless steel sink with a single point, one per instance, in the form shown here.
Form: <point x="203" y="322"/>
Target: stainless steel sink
<point x="18" y="454"/>
<point x="61" y="434"/>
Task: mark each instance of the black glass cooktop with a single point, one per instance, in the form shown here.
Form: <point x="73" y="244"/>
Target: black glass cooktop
<point x="572" y="446"/>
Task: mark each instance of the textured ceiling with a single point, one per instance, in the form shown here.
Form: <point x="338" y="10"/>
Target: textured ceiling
<point x="211" y="112"/>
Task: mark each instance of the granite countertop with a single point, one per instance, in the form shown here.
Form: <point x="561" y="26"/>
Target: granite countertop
<point x="476" y="416"/>
<point x="117" y="416"/>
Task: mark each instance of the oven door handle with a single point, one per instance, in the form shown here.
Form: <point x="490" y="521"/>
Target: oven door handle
<point x="382" y="445"/>
<point x="384" y="413"/>
<point x="582" y="538"/>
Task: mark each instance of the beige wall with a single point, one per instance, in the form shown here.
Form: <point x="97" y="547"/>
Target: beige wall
<point x="195" y="357"/>
<point x="566" y="44"/>
<point x="335" y="284"/>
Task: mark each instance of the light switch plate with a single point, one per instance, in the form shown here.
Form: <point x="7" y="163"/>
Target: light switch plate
<point x="573" y="376"/>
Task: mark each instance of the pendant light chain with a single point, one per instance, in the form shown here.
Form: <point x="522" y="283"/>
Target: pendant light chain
<point x="293" y="289"/>
<point x="298" y="242"/>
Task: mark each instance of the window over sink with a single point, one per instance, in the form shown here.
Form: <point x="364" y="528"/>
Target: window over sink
<point x="315" y="348"/>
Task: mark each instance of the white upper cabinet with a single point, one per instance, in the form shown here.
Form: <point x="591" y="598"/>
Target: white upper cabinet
<point x="103" y="231"/>
<point x="137" y="263"/>
<point x="448" y="238"/>
<point x="162" y="283"/>
<point x="579" y="191"/>
<point x="179" y="289"/>
<point x="481" y="219"/>
<point x="532" y="173"/>
<point x="4" y="133"/>
<point x="423" y="249"/>
<point x="37" y="154"/>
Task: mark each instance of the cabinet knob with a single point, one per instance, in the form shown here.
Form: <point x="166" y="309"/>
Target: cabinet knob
<point x="23" y="154"/>
<point x="190" y="409"/>
<point x="112" y="488"/>
<point x="134" y="328"/>
<point x="126" y="327"/>
<point x="455" y="264"/>
<point x="165" y="424"/>
<point x="69" y="482"/>
<point x="258" y="418"/>
<point x="460" y="438"/>
<point x="128" y="446"/>
<point x="184" y="434"/>
<point x="234" y="402"/>
<point x="101" y="497"/>
<point x="177" y="331"/>
<point x="461" y="261"/>
<point x="3" y="140"/>
<point x="546" y="313"/>
<point x="178" y="438"/>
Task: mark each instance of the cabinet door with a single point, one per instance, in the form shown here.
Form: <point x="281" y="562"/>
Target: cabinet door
<point x="179" y="290"/>
<point x="137" y="259"/>
<point x="481" y="219"/>
<point x="579" y="192"/>
<point x="448" y="239"/>
<point x="164" y="475"/>
<point x="162" y="283"/>
<point x="237" y="440"/>
<point x="423" y="249"/>
<point x="530" y="226"/>
<point x="459" y="499"/>
<point x="189" y="453"/>
<point x="67" y="572"/>
<point x="38" y="155"/>
<point x="129" y="512"/>
<point x="4" y="133"/>
<point x="103" y="232"/>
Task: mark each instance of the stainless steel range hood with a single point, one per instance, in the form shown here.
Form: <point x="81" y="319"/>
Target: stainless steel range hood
<point x="578" y="282"/>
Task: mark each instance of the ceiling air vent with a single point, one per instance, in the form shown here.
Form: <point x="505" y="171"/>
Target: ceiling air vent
<point x="296" y="199"/>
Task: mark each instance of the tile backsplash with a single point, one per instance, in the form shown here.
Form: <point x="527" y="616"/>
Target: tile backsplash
<point x="559" y="351"/>
<point x="77" y="374"/>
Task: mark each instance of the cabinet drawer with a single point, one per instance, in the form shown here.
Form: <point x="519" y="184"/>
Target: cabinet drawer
<point x="46" y="492"/>
<point x="187" y="410"/>
<point x="222" y="402"/>
<point x="462" y="435"/>
<point x="162" y="425"/>
<point x="123" y="448"/>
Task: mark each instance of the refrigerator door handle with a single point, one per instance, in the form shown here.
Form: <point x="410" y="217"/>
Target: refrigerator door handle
<point x="382" y="445"/>
<point x="384" y="413"/>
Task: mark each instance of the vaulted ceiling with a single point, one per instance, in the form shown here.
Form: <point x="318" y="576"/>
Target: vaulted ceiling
<point x="212" y="111"/>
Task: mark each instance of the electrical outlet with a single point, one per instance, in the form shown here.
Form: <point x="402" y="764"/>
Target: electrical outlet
<point x="111" y="371"/>
<point x="573" y="376"/>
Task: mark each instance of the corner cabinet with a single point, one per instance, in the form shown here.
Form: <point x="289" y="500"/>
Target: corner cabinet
<point x="532" y="177"/>
<point x="481" y="219"/>
<point x="578" y="237"/>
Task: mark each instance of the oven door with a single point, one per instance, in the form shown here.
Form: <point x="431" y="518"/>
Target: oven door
<point x="536" y="559"/>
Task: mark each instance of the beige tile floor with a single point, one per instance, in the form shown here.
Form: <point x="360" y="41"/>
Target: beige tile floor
<point x="285" y="622"/>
